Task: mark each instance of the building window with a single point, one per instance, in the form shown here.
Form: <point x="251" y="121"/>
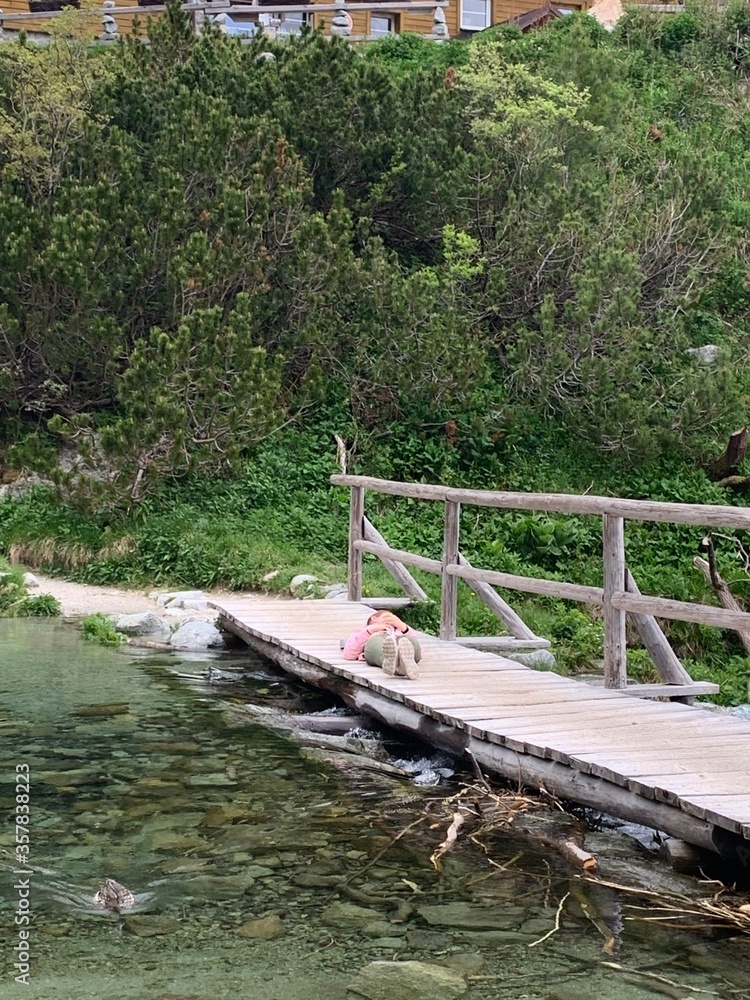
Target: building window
<point x="475" y="15"/>
<point x="381" y="24"/>
<point x="293" y="22"/>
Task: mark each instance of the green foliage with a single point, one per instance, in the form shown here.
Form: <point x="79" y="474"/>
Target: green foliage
<point x="479" y="263"/>
<point x="99" y="628"/>
<point x="15" y="601"/>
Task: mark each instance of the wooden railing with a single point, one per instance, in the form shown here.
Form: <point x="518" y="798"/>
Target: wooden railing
<point x="618" y="596"/>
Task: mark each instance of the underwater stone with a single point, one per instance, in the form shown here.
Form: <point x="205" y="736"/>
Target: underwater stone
<point x="150" y="926"/>
<point x="407" y="981"/>
<point x="469" y="917"/>
<point x="349" y="915"/>
<point x="263" y="929"/>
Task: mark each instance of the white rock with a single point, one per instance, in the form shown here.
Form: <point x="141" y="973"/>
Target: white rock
<point x="540" y="659"/>
<point x="145" y="623"/>
<point x="29" y="580"/>
<point x="335" y="590"/>
<point x="301" y="584"/>
<point x="180" y="595"/>
<point x="197" y="635"/>
<point x="188" y="604"/>
<point x="707" y="354"/>
<point x="270" y="576"/>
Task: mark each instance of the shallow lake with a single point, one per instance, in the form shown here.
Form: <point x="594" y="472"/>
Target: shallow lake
<point x="245" y="853"/>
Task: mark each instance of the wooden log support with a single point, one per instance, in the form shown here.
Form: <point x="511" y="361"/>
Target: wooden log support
<point x="683" y="611"/>
<point x="664" y="658"/>
<point x="515" y="625"/>
<point x="449" y="588"/>
<point x="400" y="555"/>
<point x="356" y="533"/>
<point x="726" y="598"/>
<point x="398" y="571"/>
<point x="691" y="690"/>
<point x="615" y="662"/>
<point x="501" y="642"/>
<point x="531" y="584"/>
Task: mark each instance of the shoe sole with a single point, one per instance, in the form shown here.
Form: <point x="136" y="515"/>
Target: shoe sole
<point x="406" y="662"/>
<point x="390" y="655"/>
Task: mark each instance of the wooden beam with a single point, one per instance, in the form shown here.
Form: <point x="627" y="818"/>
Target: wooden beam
<point x="515" y="625"/>
<point x="356" y="530"/>
<point x="386" y="603"/>
<point x="400" y="574"/>
<point x="530" y="584"/>
<point x="615" y="646"/>
<point x="400" y="555"/>
<point x="691" y="690"/>
<point x="700" y="515"/>
<point x="449" y="584"/>
<point x="501" y="642"/>
<point x="653" y="638"/>
<point x="702" y="614"/>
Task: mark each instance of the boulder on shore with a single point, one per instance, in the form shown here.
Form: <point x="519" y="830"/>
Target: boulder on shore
<point x="146" y="623"/>
<point x="197" y="635"/>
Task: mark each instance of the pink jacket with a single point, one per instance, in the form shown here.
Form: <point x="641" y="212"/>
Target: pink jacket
<point x="354" y="647"/>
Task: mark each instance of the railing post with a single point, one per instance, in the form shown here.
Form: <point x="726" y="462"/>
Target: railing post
<point x="615" y="658"/>
<point x="449" y="588"/>
<point x="356" y="534"/>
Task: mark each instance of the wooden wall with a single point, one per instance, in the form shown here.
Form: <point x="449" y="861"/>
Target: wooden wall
<point x="420" y="22"/>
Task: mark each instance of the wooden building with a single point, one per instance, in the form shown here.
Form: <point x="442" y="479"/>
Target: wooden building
<point x="359" y="20"/>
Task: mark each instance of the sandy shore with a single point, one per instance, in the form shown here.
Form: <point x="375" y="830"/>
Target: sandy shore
<point x="80" y="599"/>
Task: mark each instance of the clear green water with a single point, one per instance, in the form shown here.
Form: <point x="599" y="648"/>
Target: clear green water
<point x="213" y="824"/>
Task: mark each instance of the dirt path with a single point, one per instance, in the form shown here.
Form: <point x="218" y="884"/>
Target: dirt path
<point x="79" y="599"/>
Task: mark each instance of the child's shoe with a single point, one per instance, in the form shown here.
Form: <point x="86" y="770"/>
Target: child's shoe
<point x="390" y="655"/>
<point x="407" y="665"/>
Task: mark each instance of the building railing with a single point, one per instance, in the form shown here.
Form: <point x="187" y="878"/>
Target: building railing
<point x="618" y="597"/>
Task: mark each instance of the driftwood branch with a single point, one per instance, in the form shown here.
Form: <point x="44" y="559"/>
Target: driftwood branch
<point x="726" y="599"/>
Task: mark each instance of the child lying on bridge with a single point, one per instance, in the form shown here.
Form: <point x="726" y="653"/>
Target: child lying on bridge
<point x="385" y="641"/>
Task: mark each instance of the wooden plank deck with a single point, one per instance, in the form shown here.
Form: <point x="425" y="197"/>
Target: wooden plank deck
<point x="681" y="755"/>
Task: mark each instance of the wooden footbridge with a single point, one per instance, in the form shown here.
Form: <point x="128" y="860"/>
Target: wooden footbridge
<point x="674" y="766"/>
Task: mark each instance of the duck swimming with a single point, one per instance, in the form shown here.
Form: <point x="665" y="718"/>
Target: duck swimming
<point x="113" y="896"/>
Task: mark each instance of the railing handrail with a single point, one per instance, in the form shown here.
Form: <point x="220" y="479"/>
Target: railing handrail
<point x="699" y="515"/>
<point x="618" y="596"/>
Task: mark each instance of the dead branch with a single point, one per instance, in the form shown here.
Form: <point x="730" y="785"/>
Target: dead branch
<point x="726" y="599"/>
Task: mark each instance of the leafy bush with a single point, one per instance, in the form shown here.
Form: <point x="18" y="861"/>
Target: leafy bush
<point x="99" y="628"/>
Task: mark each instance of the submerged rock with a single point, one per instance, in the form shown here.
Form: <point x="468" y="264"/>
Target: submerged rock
<point x="150" y="926"/>
<point x="407" y="981"/>
<point x="196" y="636"/>
<point x="262" y="929"/>
<point x="349" y="915"/>
<point x="468" y="917"/>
